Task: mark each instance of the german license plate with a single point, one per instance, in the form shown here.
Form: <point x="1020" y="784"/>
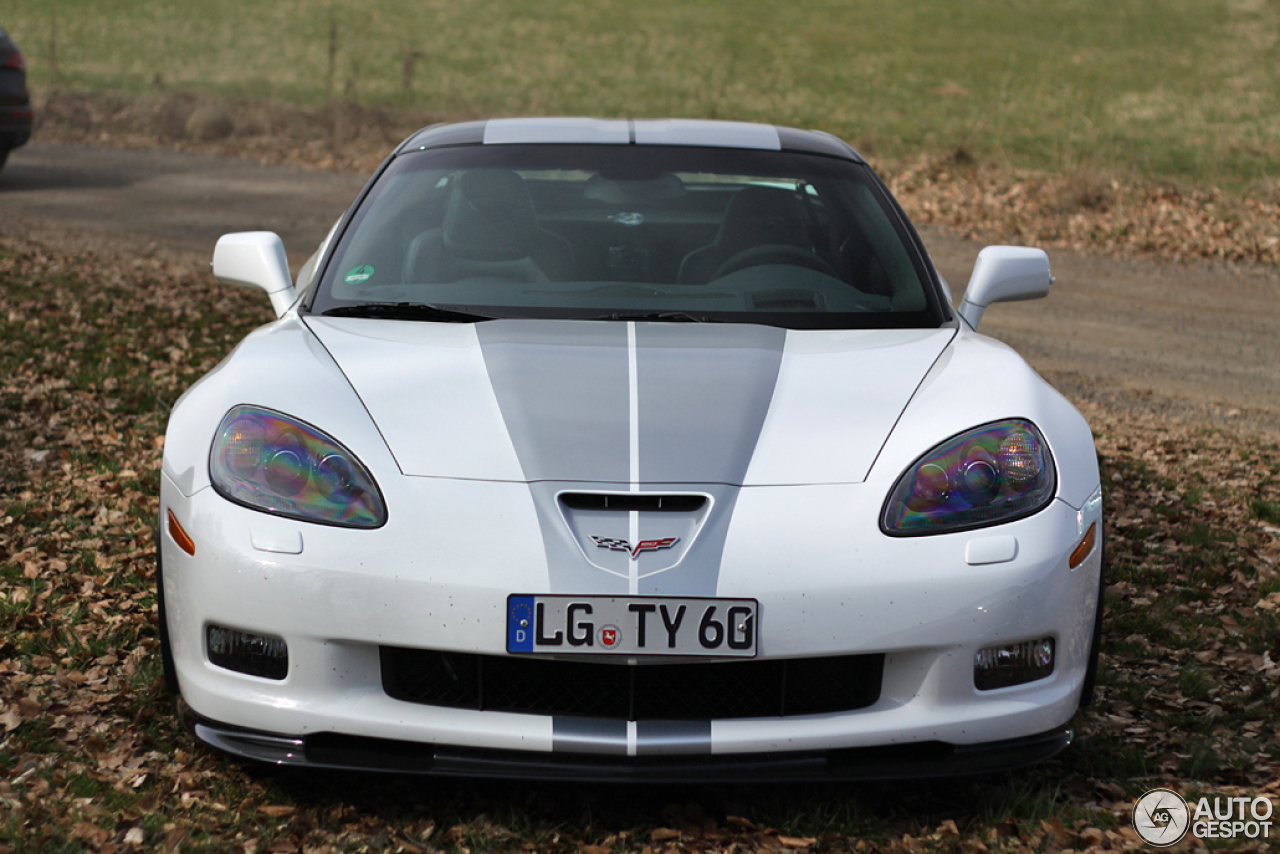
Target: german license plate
<point x="631" y="625"/>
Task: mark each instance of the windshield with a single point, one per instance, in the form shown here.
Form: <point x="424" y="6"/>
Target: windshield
<point x="629" y="232"/>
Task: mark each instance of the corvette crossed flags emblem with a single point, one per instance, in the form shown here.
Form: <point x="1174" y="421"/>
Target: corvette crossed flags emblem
<point x="616" y="545"/>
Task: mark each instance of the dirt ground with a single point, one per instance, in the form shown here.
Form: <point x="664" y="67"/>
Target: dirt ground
<point x="1190" y="341"/>
<point x="1195" y="341"/>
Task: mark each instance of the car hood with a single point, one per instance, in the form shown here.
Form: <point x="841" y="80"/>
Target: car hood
<point x="631" y="402"/>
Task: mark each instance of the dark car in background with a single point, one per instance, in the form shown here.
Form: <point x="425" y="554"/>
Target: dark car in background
<point x="16" y="114"/>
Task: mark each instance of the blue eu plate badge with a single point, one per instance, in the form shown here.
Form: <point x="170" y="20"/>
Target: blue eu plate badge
<point x="519" y="624"/>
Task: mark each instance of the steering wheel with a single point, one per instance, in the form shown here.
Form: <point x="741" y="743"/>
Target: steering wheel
<point x="774" y="253"/>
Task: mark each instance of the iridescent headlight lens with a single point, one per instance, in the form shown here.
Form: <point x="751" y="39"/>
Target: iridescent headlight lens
<point x="986" y="476"/>
<point x="269" y="461"/>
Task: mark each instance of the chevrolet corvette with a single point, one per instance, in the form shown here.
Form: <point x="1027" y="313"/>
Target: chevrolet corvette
<point x="628" y="450"/>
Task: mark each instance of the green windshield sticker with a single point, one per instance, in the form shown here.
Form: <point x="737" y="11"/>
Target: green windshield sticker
<point x="358" y="275"/>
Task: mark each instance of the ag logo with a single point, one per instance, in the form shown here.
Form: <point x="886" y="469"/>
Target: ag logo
<point x="1161" y="817"/>
<point x="610" y="636"/>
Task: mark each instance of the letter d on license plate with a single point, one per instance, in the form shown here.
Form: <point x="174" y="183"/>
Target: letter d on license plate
<point x="632" y="625"/>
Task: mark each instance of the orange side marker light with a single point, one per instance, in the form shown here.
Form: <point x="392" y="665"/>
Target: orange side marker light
<point x="1086" y="546"/>
<point x="180" y="536"/>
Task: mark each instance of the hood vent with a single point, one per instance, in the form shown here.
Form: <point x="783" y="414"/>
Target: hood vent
<point x="628" y="501"/>
<point x="610" y="528"/>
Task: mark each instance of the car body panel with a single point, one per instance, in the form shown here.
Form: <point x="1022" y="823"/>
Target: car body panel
<point x="283" y="367"/>
<point x="914" y="599"/>
<point x="628" y="131"/>
<point x="552" y="130"/>
<point x="550" y="400"/>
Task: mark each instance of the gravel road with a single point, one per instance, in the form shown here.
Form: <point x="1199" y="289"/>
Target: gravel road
<point x="1194" y="342"/>
<point x="180" y="201"/>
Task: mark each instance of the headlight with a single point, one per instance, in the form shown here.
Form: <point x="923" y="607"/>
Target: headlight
<point x="269" y="461"/>
<point x="989" y="475"/>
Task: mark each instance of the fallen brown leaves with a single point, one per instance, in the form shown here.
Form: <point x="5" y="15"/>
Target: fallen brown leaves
<point x="94" y="349"/>
<point x="1194" y="646"/>
<point x="1085" y="213"/>
<point x="91" y="354"/>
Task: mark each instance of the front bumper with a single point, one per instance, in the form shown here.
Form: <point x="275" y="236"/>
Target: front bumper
<point x="895" y="762"/>
<point x="436" y="584"/>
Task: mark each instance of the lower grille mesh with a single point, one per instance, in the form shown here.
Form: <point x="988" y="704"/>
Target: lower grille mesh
<point x="733" y="689"/>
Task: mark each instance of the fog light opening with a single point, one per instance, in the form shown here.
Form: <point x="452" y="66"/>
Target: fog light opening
<point x="180" y="536"/>
<point x="1013" y="664"/>
<point x="243" y="652"/>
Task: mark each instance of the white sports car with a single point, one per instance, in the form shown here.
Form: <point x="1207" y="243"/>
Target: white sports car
<point x="626" y="449"/>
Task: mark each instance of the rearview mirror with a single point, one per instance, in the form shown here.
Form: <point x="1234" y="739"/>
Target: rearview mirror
<point x="256" y="259"/>
<point x="1005" y="274"/>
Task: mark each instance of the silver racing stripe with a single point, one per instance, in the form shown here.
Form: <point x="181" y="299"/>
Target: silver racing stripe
<point x="703" y="395"/>
<point x="589" y="735"/>
<point x="704" y="391"/>
<point x="567" y="570"/>
<point x="669" y="738"/>
<point x="562" y="388"/>
<point x="698" y="573"/>
<point x="630" y="738"/>
<point x="632" y="407"/>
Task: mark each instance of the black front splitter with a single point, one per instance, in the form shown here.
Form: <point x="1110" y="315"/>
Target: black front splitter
<point x="891" y="762"/>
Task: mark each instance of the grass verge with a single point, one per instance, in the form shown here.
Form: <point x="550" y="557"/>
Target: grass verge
<point x="1154" y="88"/>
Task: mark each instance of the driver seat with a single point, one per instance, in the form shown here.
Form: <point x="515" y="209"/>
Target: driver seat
<point x="755" y="216"/>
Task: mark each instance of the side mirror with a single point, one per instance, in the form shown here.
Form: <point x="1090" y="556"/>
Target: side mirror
<point x="256" y="259"/>
<point x="1005" y="274"/>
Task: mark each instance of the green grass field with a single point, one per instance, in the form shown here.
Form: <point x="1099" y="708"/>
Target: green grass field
<point x="1185" y="89"/>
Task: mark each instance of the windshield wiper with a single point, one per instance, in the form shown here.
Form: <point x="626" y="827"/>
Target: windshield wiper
<point x="668" y="316"/>
<point x="408" y="311"/>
